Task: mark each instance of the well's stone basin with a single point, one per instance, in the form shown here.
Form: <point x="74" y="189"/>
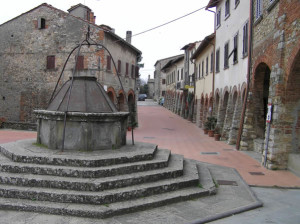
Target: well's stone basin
<point x="84" y="131"/>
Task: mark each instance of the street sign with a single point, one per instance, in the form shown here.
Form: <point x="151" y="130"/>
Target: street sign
<point x="269" y="114"/>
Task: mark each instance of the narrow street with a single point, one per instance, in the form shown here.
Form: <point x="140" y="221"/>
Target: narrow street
<point x="162" y="127"/>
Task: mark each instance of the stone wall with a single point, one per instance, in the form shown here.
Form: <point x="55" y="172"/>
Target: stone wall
<point x="276" y="45"/>
<point x="26" y="83"/>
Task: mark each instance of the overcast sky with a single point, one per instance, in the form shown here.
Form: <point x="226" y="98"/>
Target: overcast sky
<point x="138" y="16"/>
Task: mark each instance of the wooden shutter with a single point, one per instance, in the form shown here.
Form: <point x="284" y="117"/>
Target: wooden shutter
<point x="51" y="62"/>
<point x="108" y="65"/>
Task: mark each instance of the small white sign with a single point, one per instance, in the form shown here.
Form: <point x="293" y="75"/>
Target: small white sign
<point x="105" y="87"/>
<point x="269" y="114"/>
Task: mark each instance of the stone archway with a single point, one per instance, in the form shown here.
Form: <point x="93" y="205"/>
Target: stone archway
<point x="222" y="111"/>
<point x="111" y="94"/>
<point x="260" y="93"/>
<point x="121" y="101"/>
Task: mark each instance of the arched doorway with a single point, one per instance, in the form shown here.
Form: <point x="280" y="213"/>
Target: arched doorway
<point x="292" y="106"/>
<point x="111" y="94"/>
<point x="121" y="102"/>
<point x="260" y="98"/>
<point x="222" y="111"/>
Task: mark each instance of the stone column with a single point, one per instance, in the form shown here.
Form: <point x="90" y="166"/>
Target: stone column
<point x="235" y="121"/>
<point x="228" y="117"/>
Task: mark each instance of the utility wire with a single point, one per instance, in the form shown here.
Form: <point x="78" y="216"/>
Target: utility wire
<point x="168" y="22"/>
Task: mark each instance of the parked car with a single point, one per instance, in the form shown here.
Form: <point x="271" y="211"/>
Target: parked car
<point x="142" y="97"/>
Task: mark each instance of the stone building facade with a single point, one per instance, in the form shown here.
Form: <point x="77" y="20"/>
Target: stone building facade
<point x="34" y="47"/>
<point x="275" y="80"/>
<point x="203" y="59"/>
<point x="175" y="99"/>
<point x="231" y="64"/>
<point x="150" y="84"/>
<point x="160" y="78"/>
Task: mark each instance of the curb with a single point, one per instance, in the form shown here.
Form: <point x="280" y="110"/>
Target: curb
<point x="258" y="203"/>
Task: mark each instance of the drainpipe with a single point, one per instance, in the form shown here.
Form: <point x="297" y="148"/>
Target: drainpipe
<point x="214" y="65"/>
<point x="250" y="36"/>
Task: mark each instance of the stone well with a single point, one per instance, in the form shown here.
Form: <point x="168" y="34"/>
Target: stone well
<point x="92" y="120"/>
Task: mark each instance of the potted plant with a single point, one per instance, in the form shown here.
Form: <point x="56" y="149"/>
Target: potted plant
<point x="217" y="134"/>
<point x="210" y="124"/>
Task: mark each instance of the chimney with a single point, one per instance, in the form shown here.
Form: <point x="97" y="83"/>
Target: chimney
<point x="128" y="36"/>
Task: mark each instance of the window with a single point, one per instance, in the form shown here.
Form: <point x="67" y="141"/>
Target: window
<point x="108" y="63"/>
<point x="211" y="61"/>
<point x="258" y="9"/>
<point x="235" y="49"/>
<point x="132" y="71"/>
<point x="199" y="70"/>
<point x="202" y="68"/>
<point x="163" y="93"/>
<point x="137" y="71"/>
<point x="178" y="75"/>
<point x="226" y="48"/>
<point x="51" y="62"/>
<point x="227" y="8"/>
<point x="163" y="81"/>
<point x="41" y="23"/>
<point x="182" y="74"/>
<point x="237" y="3"/>
<point x="79" y="64"/>
<point x="218" y="60"/>
<point x="245" y="39"/>
<point x="218" y="18"/>
<point x="127" y="69"/>
<point x="206" y="70"/>
<point x="119" y="67"/>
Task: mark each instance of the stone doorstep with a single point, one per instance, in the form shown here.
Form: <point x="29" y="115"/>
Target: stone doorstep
<point x="175" y="169"/>
<point x="24" y="151"/>
<point x="190" y="178"/>
<point x="103" y="211"/>
<point x="160" y="160"/>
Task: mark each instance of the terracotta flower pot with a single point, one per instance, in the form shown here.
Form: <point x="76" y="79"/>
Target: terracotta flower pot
<point x="211" y="133"/>
<point x="205" y="131"/>
<point x="217" y="137"/>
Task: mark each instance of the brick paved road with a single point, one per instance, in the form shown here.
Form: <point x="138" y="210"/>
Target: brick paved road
<point x="160" y="126"/>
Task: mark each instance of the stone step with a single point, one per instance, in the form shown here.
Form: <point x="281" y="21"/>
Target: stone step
<point x="25" y="151"/>
<point x="160" y="160"/>
<point x="175" y="169"/>
<point x="102" y="211"/>
<point x="190" y="178"/>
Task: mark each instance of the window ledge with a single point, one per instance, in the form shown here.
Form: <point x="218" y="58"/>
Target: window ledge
<point x="217" y="71"/>
<point x="258" y="20"/>
<point x="227" y="67"/>
<point x="217" y="27"/>
<point x="245" y="55"/>
<point x="271" y="5"/>
<point x="227" y="16"/>
<point x="236" y="5"/>
<point x="235" y="62"/>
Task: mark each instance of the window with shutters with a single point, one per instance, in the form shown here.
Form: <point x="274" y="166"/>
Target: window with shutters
<point x="137" y="71"/>
<point x="235" y="49"/>
<point x="163" y="81"/>
<point x="218" y="60"/>
<point x="206" y="68"/>
<point x="202" y="68"/>
<point x="258" y="9"/>
<point x="245" y="39"/>
<point x="182" y="74"/>
<point x="79" y="64"/>
<point x="132" y="71"/>
<point x="127" y="69"/>
<point x="211" y="61"/>
<point x="218" y="19"/>
<point x="51" y="62"/>
<point x="227" y="9"/>
<point x="108" y="63"/>
<point x="119" y="67"/>
<point x="199" y="71"/>
<point x="226" y="54"/>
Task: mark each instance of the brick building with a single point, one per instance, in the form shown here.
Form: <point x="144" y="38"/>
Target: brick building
<point x="274" y="79"/>
<point x="34" y="47"/>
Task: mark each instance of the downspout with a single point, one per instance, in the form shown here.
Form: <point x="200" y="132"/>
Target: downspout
<point x="250" y="35"/>
<point x="214" y="65"/>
